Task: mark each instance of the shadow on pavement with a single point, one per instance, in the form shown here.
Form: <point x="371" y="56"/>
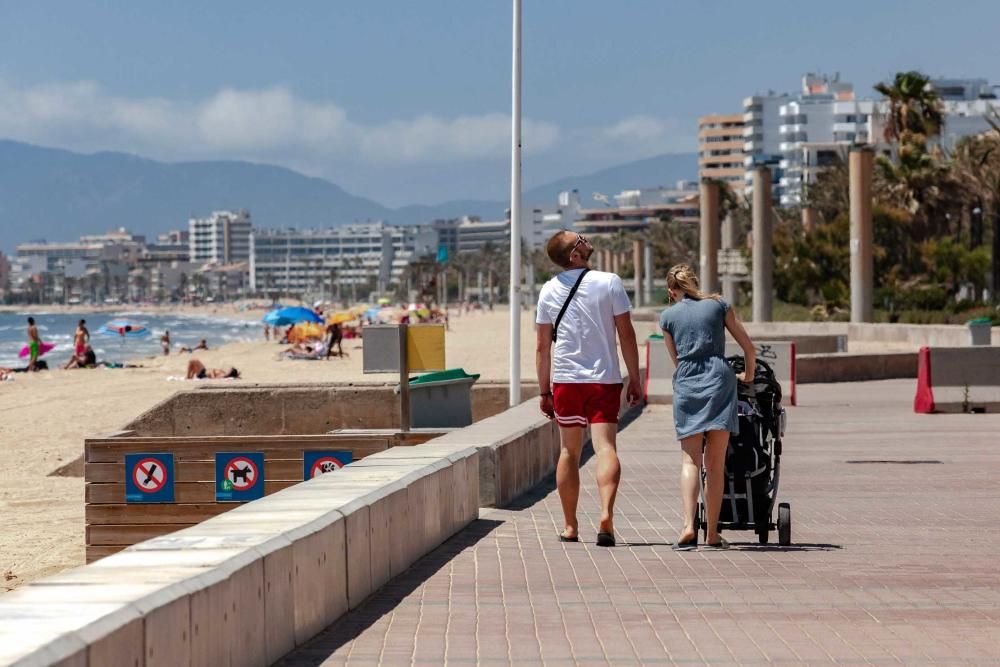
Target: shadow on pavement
<point x="318" y="649"/>
<point x="548" y="484"/>
<point x="747" y="547"/>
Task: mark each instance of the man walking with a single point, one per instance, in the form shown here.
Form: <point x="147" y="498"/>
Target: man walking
<point x="580" y="312"/>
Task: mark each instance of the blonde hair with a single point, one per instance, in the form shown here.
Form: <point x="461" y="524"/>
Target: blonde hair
<point x="683" y="278"/>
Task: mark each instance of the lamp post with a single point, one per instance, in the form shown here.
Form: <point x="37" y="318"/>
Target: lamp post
<point x="515" y="212"/>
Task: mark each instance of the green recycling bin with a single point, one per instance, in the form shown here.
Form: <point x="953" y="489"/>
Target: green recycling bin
<point x="442" y="399"/>
<point x="980" y="330"/>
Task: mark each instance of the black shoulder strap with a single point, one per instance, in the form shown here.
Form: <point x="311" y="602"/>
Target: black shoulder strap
<point x="562" y="311"/>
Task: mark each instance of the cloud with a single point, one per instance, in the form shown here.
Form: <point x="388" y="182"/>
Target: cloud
<point x="266" y="124"/>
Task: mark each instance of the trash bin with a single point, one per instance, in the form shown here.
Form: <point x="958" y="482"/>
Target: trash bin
<point x="442" y="399"/>
<point x="979" y="330"/>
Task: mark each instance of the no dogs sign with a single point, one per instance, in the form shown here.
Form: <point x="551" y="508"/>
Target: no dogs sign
<point x="149" y="478"/>
<point x="239" y="476"/>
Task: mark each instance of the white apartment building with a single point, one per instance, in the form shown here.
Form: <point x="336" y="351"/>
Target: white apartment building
<point x="303" y="261"/>
<point x="221" y="238"/>
<point x="539" y="223"/>
<point x="761" y="135"/>
<point x="803" y="134"/>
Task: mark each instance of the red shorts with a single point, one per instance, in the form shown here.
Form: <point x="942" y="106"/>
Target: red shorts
<point x="580" y="404"/>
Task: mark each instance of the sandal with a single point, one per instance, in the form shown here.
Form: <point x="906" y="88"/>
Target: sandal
<point x="565" y="538"/>
<point x="721" y="545"/>
<point x="689" y="545"/>
<point x="605" y="540"/>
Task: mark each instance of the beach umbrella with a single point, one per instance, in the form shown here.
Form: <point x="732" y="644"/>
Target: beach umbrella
<point x="340" y="318"/>
<point x="284" y="316"/>
<point x="124" y="329"/>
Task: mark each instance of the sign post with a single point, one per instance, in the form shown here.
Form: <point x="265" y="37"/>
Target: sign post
<point x="404" y="380"/>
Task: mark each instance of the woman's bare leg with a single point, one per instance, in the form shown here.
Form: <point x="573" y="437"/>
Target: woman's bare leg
<point x="690" y="483"/>
<point x="194" y="367"/>
<point x="715" y="465"/>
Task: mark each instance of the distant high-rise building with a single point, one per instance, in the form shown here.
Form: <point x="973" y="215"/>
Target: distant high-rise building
<point x="720" y="149"/>
<point x="221" y="238"/>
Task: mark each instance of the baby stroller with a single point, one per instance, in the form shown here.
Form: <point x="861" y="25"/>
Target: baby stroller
<point x="753" y="461"/>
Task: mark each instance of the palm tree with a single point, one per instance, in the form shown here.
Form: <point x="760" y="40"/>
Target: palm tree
<point x="976" y="161"/>
<point x="915" y="109"/>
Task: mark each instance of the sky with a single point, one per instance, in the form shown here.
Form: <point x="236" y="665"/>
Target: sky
<point x="409" y="102"/>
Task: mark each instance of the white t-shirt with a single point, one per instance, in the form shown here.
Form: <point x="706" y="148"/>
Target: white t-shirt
<point x="585" y="349"/>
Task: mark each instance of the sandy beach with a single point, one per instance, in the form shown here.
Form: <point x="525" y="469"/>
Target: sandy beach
<point x="45" y="417"/>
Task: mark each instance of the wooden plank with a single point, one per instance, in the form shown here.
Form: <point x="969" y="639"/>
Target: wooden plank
<point x="97" y="515"/>
<point x="205" y="449"/>
<point x="97" y="552"/>
<point x="184" y="492"/>
<point x="277" y="470"/>
<point x="128" y="534"/>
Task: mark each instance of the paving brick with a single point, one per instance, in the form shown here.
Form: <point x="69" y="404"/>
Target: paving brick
<point x="891" y="563"/>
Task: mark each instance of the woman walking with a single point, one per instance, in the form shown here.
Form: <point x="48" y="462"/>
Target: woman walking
<point x="704" y="394"/>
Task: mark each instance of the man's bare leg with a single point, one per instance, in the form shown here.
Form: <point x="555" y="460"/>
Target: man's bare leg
<point x="690" y="483"/>
<point x="715" y="465"/>
<point x="609" y="472"/>
<point x="568" y="476"/>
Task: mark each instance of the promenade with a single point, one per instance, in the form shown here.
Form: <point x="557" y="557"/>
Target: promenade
<point x="893" y="561"/>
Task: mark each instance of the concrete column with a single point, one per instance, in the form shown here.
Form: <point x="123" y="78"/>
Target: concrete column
<point x="615" y="262"/>
<point x="809" y="218"/>
<point x="708" y="256"/>
<point x="479" y="287"/>
<point x="862" y="262"/>
<point x="763" y="252"/>
<point x="637" y="246"/>
<point x="730" y="283"/>
<point x="648" y="275"/>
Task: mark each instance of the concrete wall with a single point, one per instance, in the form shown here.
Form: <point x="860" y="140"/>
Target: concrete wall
<point x="248" y="586"/>
<point x="814" y="368"/>
<point x="293" y="409"/>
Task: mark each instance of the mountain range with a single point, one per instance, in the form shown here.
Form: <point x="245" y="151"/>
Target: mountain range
<point x="59" y="195"/>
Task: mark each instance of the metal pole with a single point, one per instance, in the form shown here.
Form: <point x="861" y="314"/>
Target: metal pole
<point x="404" y="381"/>
<point x="515" y="214"/>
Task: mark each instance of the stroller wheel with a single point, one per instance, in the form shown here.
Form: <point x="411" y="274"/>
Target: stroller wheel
<point x="784" y="524"/>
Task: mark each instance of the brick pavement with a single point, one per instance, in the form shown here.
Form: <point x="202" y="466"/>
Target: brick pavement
<point x="891" y="563"/>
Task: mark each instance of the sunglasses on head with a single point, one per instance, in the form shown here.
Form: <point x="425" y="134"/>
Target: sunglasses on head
<point x="580" y="238"/>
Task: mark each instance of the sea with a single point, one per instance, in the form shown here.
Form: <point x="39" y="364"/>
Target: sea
<point x="58" y="328"/>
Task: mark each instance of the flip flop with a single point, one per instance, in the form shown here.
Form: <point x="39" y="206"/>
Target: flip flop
<point x="690" y="545"/>
<point x="721" y="545"/>
<point x="605" y="540"/>
<point x="563" y="538"/>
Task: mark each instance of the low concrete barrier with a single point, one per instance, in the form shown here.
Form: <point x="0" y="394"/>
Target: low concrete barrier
<point x="248" y="586"/>
<point x="294" y="409"/>
<point x="818" y="368"/>
<point x="518" y="449"/>
<point x="780" y="355"/>
<point x="958" y="379"/>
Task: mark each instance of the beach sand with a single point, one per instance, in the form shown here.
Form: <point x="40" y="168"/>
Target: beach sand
<point x="45" y="417"/>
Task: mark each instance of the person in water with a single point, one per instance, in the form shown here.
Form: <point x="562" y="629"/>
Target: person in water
<point x="34" y="344"/>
